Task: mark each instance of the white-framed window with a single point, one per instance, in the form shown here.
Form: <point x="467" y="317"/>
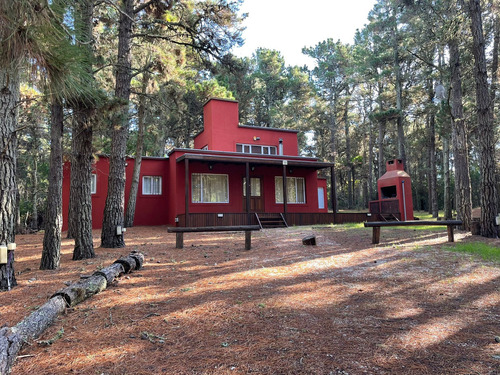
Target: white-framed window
<point x="295" y="189"/>
<point x="205" y="147"/>
<point x="321" y="198"/>
<point x="151" y="185"/>
<point x="93" y="184"/>
<point x="255" y="149"/>
<point x="209" y="188"/>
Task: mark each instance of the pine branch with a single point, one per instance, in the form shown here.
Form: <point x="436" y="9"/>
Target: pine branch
<point x="109" y="2"/>
<point x="425" y="61"/>
<point x="147" y="4"/>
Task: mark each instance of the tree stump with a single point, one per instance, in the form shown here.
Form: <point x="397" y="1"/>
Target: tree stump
<point x="309" y="240"/>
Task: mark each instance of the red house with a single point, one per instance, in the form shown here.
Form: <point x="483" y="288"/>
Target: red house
<point x="207" y="185"/>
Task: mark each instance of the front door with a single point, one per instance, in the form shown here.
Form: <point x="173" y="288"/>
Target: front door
<point x="256" y="196"/>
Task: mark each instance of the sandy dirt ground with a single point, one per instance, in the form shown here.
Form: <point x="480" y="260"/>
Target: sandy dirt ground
<point x="345" y="306"/>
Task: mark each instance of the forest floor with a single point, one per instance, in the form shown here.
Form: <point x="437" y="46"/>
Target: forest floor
<point x="404" y="306"/>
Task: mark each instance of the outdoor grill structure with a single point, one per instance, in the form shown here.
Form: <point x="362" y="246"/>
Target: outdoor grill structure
<point x="394" y="191"/>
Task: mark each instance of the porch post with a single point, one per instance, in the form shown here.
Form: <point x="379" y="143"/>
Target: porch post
<point x="186" y="191"/>
<point x="333" y="191"/>
<point x="248" y="191"/>
<point x="285" y="196"/>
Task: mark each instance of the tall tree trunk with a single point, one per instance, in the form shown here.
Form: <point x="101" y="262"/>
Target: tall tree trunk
<point x="486" y="129"/>
<point x="134" y="188"/>
<point x="333" y="150"/>
<point x="399" y="93"/>
<point x="81" y="169"/>
<point x="446" y="130"/>
<point x="429" y="192"/>
<point x="51" y="253"/>
<point x="34" y="195"/>
<point x="494" y="77"/>
<point x="463" y="198"/>
<point x="350" y="185"/>
<point x="115" y="201"/>
<point x="433" y="202"/>
<point x="494" y="63"/>
<point x="9" y="100"/>
<point x="446" y="173"/>
<point x="381" y="132"/>
<point x="366" y="192"/>
<point x="371" y="143"/>
<point x="72" y="202"/>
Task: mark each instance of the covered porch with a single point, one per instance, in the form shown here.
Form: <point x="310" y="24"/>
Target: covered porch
<point x="286" y="188"/>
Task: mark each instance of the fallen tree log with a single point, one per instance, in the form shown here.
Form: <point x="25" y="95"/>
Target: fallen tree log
<point x="80" y="291"/>
<point x="128" y="263"/>
<point x="13" y="338"/>
<point x="111" y="272"/>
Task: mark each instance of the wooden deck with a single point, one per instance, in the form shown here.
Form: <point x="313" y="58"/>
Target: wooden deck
<point x="234" y="219"/>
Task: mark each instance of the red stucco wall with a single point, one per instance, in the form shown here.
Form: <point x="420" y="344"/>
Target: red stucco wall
<point x="148" y="207"/>
<point x="222" y="131"/>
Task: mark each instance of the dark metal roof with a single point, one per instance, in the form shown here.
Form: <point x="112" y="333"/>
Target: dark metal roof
<point x="254" y="160"/>
<point x="267" y="128"/>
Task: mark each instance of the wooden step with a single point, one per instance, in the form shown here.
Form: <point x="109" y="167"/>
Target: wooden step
<point x="275" y="221"/>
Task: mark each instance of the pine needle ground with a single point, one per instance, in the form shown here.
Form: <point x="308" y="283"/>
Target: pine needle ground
<point x="345" y="306"/>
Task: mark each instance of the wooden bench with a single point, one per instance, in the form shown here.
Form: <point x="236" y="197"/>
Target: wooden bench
<point x="179" y="232"/>
<point x="376" y="225"/>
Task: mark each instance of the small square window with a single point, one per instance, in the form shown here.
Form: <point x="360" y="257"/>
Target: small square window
<point x="151" y="185"/>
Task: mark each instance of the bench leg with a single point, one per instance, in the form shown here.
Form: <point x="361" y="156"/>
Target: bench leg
<point x="179" y="240"/>
<point x="376" y="235"/>
<point x="450" y="234"/>
<point x="248" y="239"/>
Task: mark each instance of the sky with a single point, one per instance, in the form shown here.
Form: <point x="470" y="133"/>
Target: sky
<point x="287" y="26"/>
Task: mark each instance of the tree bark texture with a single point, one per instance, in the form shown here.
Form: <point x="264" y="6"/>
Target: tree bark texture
<point x="494" y="62"/>
<point x="34" y="195"/>
<point x="9" y="99"/>
<point x="463" y="198"/>
<point x="13" y="338"/>
<point x="134" y="188"/>
<point x="81" y="172"/>
<point x="81" y="169"/>
<point x="333" y="152"/>
<point x="350" y="173"/>
<point x="115" y="201"/>
<point x="70" y="233"/>
<point x="486" y="131"/>
<point x="447" y="181"/>
<point x="433" y="167"/>
<point x="51" y="253"/>
<point x="381" y="133"/>
<point x="371" y="142"/>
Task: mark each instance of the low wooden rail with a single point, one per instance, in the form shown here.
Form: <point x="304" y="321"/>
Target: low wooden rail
<point x="179" y="232"/>
<point x="376" y="225"/>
